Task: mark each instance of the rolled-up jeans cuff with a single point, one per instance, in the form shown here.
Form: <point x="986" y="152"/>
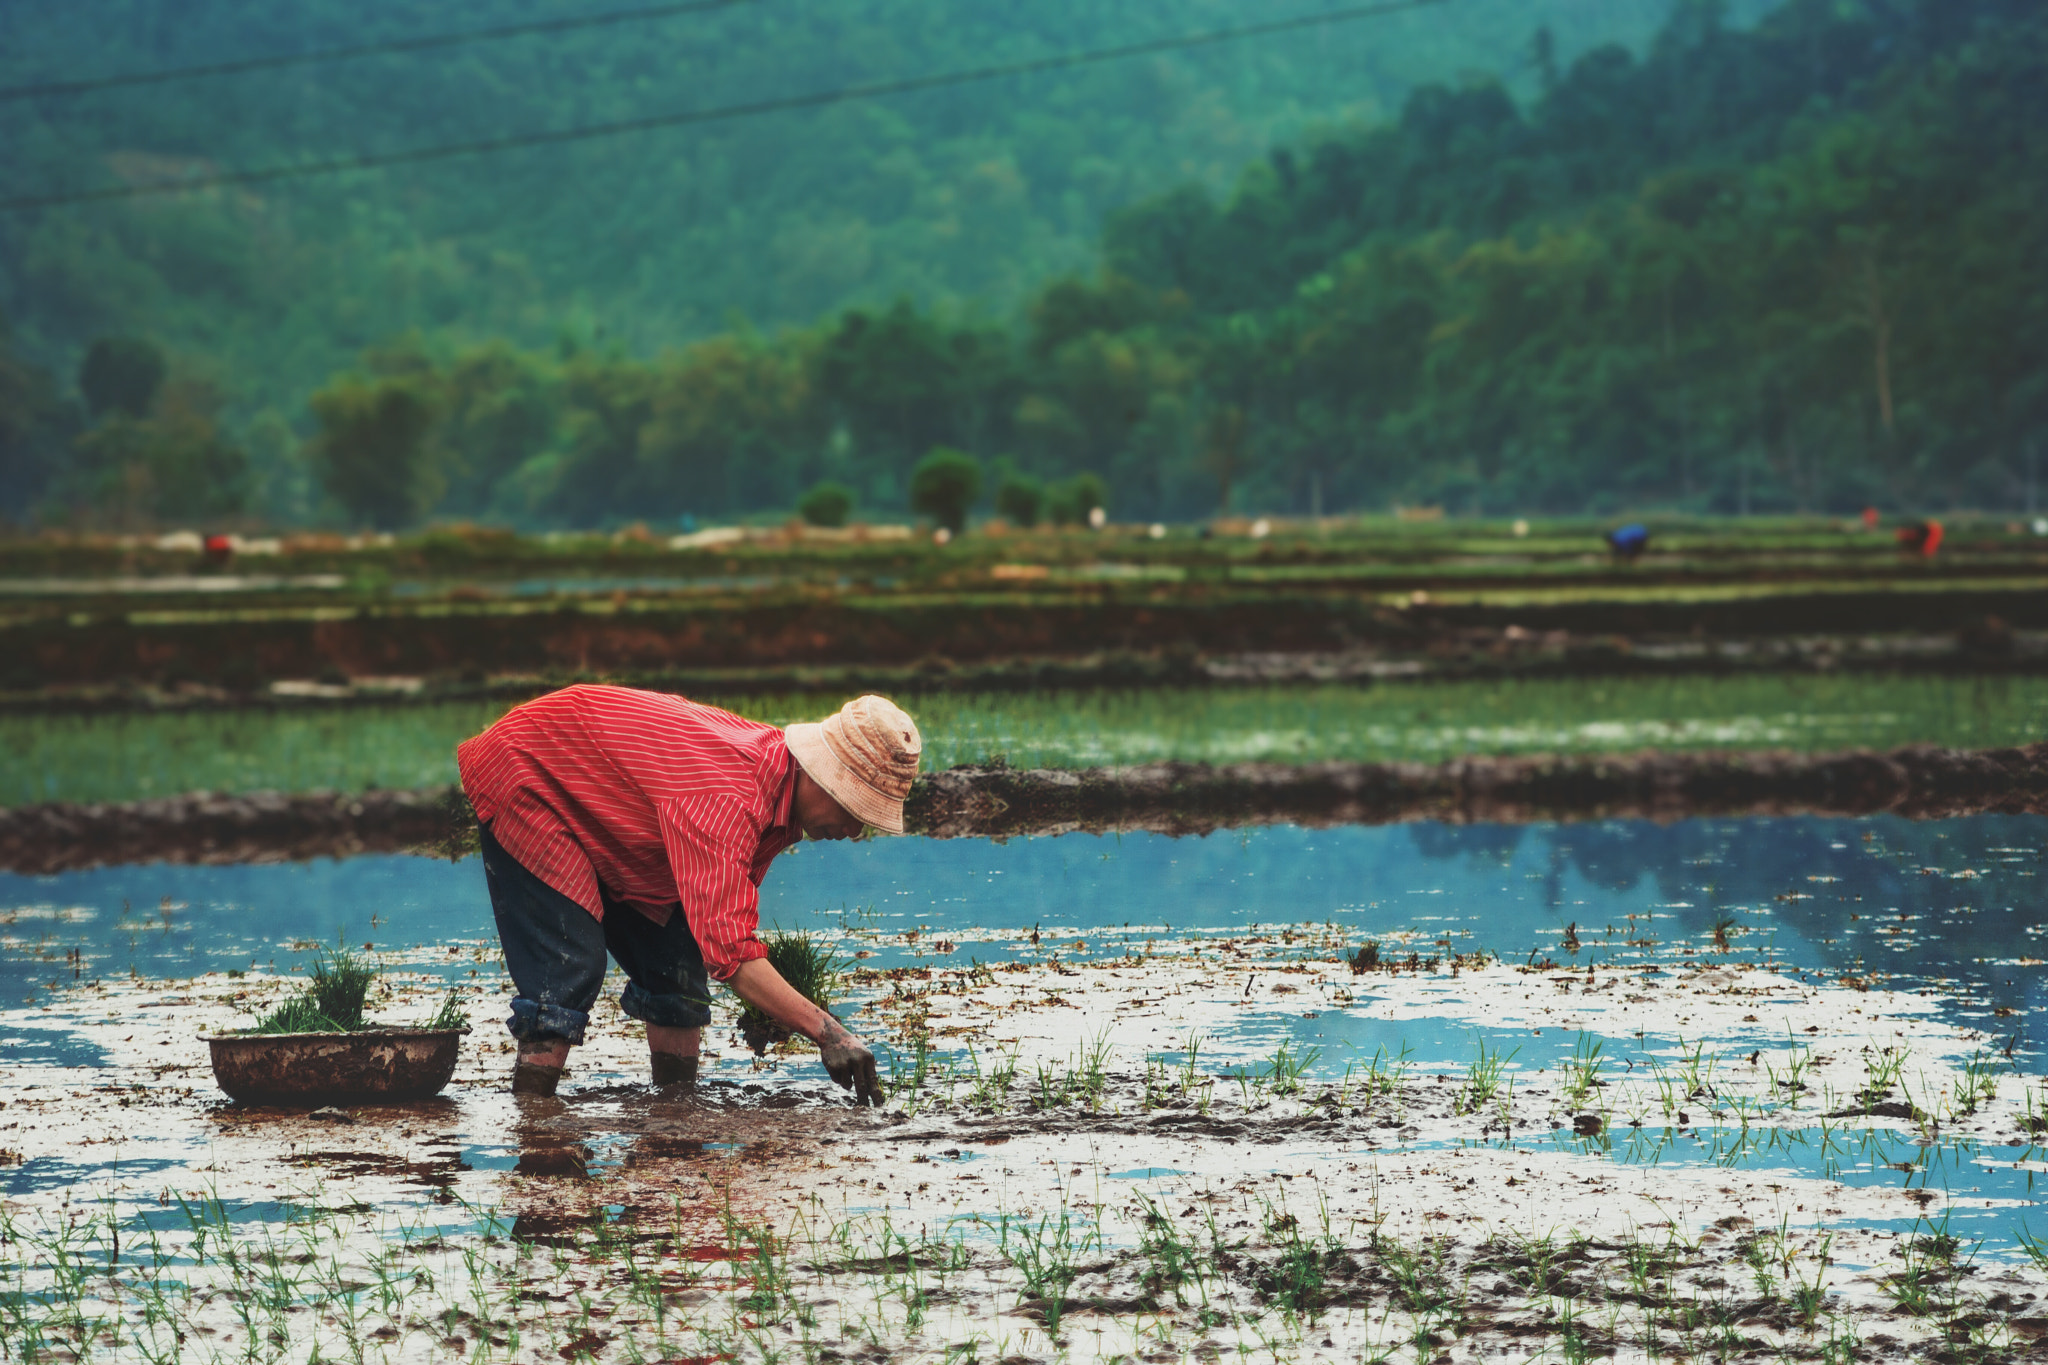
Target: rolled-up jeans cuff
<point x="669" y="1011"/>
<point x="537" y="1019"/>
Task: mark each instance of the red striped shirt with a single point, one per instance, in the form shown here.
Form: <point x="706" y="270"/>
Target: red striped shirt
<point x="656" y="798"/>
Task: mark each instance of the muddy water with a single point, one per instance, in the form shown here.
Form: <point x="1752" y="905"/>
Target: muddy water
<point x="1884" y="967"/>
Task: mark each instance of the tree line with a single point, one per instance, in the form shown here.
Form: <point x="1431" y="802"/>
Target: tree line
<point x="1799" y="264"/>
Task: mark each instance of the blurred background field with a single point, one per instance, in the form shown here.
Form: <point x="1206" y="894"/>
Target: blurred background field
<point x="129" y="755"/>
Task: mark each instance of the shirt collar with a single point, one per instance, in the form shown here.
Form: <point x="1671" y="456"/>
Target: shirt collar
<point x="783" y="811"/>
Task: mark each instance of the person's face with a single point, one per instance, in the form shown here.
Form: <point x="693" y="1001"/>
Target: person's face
<point x="819" y="815"/>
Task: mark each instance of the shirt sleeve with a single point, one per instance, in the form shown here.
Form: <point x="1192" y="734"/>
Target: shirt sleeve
<point x="711" y="842"/>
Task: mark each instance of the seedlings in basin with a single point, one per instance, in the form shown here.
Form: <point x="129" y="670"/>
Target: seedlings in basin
<point x="1366" y="959"/>
<point x="333" y="999"/>
<point x="813" y="968"/>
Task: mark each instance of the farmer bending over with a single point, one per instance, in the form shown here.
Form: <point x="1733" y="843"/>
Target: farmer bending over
<point x="607" y="810"/>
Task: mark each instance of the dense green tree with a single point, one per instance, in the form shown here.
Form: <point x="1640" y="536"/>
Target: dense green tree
<point x="944" y="487"/>
<point x="174" y="465"/>
<point x="826" y="504"/>
<point x="1021" y="499"/>
<point x="1071" y="501"/>
<point x="121" y="375"/>
<point x="372" y="453"/>
<point x="34" y="431"/>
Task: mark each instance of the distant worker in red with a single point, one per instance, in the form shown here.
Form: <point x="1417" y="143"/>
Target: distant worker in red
<point x="640" y="824"/>
<point x="1922" y="538"/>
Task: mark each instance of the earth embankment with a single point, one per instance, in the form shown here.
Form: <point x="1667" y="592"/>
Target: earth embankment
<point x="1170" y="798"/>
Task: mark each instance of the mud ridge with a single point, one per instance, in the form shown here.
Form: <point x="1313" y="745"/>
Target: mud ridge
<point x="1920" y="782"/>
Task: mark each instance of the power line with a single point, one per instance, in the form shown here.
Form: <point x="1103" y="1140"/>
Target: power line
<point x="720" y="114"/>
<point x="424" y="43"/>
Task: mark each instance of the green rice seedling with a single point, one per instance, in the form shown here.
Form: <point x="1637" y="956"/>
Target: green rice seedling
<point x="1385" y="1075"/>
<point x="1573" y="1343"/>
<point x="1296" y="1282"/>
<point x="1798" y="1059"/>
<point x="1696" y="1070"/>
<point x="1668" y="1093"/>
<point x="1535" y="1262"/>
<point x="1883" y="1069"/>
<point x="907" y="1083"/>
<point x="1053" y="1088"/>
<point x="1281" y="1075"/>
<point x="1582" y="1072"/>
<point x="1046" y="1254"/>
<point x="1809" y="1296"/>
<point x="1756" y="1254"/>
<point x="1424" y="1288"/>
<point x="1171" y="1260"/>
<point x="1484" y="1080"/>
<point x="1978" y="1084"/>
<point x="1158" y="1082"/>
<point x="989" y="1091"/>
<point x="1287" y="1067"/>
<point x="1091" y="1063"/>
<point x="2035" y="1247"/>
<point x="451" y="1013"/>
<point x="1188" y="1075"/>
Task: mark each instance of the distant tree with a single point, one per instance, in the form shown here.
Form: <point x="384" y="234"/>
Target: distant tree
<point x="120" y="375"/>
<point x="944" y="486"/>
<point x="371" y="453"/>
<point x="33" y="424"/>
<point x="174" y="465"/>
<point x="826" y="504"/>
<point x="1073" y="499"/>
<point x="1021" y="498"/>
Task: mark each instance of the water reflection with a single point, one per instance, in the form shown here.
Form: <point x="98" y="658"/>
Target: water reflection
<point x="1951" y="903"/>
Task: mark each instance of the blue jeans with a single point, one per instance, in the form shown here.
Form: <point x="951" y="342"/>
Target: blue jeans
<point x="556" y="950"/>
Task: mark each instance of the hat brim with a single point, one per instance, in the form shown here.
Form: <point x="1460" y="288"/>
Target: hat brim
<point x="807" y="745"/>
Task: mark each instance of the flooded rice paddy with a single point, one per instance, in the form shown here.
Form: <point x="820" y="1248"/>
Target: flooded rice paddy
<point x="1712" y="1090"/>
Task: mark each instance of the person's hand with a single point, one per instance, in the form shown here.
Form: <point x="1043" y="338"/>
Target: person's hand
<point x="849" y="1062"/>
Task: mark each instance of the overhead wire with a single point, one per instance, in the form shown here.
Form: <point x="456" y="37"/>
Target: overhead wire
<point x="721" y="113"/>
<point x="386" y="47"/>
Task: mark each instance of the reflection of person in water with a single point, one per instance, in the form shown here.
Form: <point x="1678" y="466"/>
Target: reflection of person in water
<point x="606" y="811"/>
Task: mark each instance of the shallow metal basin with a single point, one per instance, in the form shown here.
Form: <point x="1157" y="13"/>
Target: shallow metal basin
<point x="297" y="1068"/>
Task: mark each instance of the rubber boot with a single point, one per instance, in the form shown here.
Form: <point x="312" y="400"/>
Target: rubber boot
<point x="531" y="1078"/>
<point x="672" y="1072"/>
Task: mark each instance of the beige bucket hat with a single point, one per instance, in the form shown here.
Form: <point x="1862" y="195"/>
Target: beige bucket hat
<point x="865" y="755"/>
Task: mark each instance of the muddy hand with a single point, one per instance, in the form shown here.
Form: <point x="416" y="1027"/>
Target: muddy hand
<point x="850" y="1063"/>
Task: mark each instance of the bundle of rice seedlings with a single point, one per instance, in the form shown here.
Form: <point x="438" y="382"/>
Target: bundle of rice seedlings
<point x="332" y="1001"/>
<point x="812" y="967"/>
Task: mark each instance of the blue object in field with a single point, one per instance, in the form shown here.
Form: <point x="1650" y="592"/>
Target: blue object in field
<point x="1630" y="541"/>
<point x="687" y="523"/>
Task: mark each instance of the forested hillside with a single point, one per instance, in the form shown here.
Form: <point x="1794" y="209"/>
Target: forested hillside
<point x="1794" y="263"/>
<point x="974" y="195"/>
